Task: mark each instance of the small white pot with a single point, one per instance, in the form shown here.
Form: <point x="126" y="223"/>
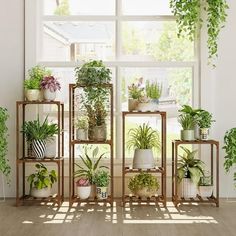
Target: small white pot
<point x="187" y="135"/>
<point x="32" y="94"/>
<point x="51" y="148"/>
<point x="144" y="106"/>
<point x="102" y="192"/>
<point x="189" y="189"/>
<point x="100" y="133"/>
<point x="204" y="133"/>
<point x="40" y="193"/>
<point x="132" y="104"/>
<point x="154" y="105"/>
<point x="83" y="191"/>
<point x="143" y="159"/>
<point x="82" y="134"/>
<point x="205" y="191"/>
<point x="48" y="95"/>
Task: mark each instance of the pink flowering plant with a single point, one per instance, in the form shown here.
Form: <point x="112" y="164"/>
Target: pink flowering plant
<point x="51" y="83"/>
<point x="135" y="92"/>
<point x="82" y="182"/>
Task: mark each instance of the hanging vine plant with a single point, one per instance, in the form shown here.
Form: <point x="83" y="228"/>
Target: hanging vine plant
<point x="189" y="20"/>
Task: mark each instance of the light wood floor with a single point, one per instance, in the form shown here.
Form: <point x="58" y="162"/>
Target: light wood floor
<point x="93" y="220"/>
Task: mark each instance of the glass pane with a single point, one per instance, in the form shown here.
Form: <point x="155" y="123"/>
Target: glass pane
<point x="154" y="41"/>
<point x="146" y="7"/>
<point x="76" y="41"/>
<point x="176" y="90"/>
<point x="79" y="7"/>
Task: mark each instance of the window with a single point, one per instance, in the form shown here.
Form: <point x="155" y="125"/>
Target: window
<point x="135" y="38"/>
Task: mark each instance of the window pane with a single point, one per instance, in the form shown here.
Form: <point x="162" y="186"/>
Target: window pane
<point x="154" y="41"/>
<point x="146" y="7"/>
<point x="79" y="7"/>
<point x="76" y="41"/>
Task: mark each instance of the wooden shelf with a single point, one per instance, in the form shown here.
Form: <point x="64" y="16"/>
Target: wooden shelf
<point x="53" y="198"/>
<point x="91" y="200"/>
<point x="73" y="142"/>
<point x="33" y="160"/>
<point x="126" y="113"/>
<point x="153" y="170"/>
<point x="136" y="199"/>
<point x="178" y="142"/>
<point x="197" y="199"/>
<point x="38" y="102"/>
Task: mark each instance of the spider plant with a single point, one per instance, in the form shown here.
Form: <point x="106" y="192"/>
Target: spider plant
<point x="187" y="121"/>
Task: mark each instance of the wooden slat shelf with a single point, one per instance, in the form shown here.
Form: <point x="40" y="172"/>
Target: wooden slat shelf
<point x="136" y="199"/>
<point x="38" y="102"/>
<point x="197" y="199"/>
<point x="73" y="142"/>
<point x="33" y="160"/>
<point x="140" y="113"/>
<point x="153" y="170"/>
<point x="54" y="198"/>
<point x="210" y="141"/>
<point x="91" y="200"/>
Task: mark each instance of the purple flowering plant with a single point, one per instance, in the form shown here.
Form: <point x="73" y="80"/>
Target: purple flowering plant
<point x="51" y="83"/>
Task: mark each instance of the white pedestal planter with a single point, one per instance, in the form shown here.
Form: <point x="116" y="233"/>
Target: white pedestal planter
<point x="51" y="148"/>
<point x="189" y="189"/>
<point x="48" y="95"/>
<point x="32" y="94"/>
<point x="143" y="159"/>
<point x="82" y="134"/>
<point x="83" y="191"/>
<point x="40" y="193"/>
<point x="102" y="192"/>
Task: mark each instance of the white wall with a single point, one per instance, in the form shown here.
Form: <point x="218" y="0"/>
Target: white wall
<point x="217" y="86"/>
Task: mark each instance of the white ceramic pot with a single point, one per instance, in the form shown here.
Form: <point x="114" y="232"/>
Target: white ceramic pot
<point x="204" y="133"/>
<point x="145" y="192"/>
<point x="82" y="134"/>
<point x="196" y="132"/>
<point x="100" y="133"/>
<point x="187" y="135"/>
<point x="40" y="193"/>
<point x="132" y="104"/>
<point x="205" y="191"/>
<point x="102" y="192"/>
<point x="39" y="148"/>
<point x="51" y="148"/>
<point x="32" y="94"/>
<point x="189" y="189"/>
<point x="144" y="106"/>
<point x="143" y="159"/>
<point x="154" y="105"/>
<point x="83" y="191"/>
<point x="48" y="95"/>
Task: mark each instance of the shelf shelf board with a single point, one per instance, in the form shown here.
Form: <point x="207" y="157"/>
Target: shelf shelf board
<point x="73" y="142"/>
<point x="210" y="141"/>
<point x="125" y="113"/>
<point x="152" y="170"/>
<point x="53" y="198"/>
<point x="197" y="199"/>
<point x="38" y="102"/>
<point x="91" y="200"/>
<point x="136" y="199"/>
<point x="33" y="160"/>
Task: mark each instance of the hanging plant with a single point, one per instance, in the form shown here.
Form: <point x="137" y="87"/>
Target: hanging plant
<point x="189" y="20"/>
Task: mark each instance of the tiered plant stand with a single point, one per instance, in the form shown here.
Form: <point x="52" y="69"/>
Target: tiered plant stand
<point x="22" y="159"/>
<point x="73" y="198"/>
<point x="198" y="199"/>
<point x="158" y="170"/>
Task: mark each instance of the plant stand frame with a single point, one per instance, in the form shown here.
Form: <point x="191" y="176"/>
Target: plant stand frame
<point x="22" y="160"/>
<point x="212" y="199"/>
<point x="73" y="142"/>
<point x="161" y="170"/>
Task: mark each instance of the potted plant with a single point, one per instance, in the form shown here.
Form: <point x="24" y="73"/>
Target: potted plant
<point x="41" y="181"/>
<point x="204" y="123"/>
<point x="90" y="165"/>
<point x="230" y="149"/>
<point x="153" y="91"/>
<point x="188" y="123"/>
<point x="205" y="187"/>
<point x="83" y="188"/>
<point x="91" y="121"/>
<point x="32" y="84"/>
<point x="143" y="139"/>
<point x="144" y="185"/>
<point x="4" y="162"/>
<point x="50" y="85"/>
<point x="144" y="103"/>
<point x="81" y="126"/>
<point x="37" y="134"/>
<point x="135" y="93"/>
<point x="102" y="179"/>
<point x="189" y="172"/>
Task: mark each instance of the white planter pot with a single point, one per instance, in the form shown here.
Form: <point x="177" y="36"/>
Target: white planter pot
<point x="187" y="135"/>
<point x="82" y="134"/>
<point x="189" y="189"/>
<point x="39" y="148"/>
<point x="144" y="106"/>
<point x="40" y="193"/>
<point x="32" y="94"/>
<point x="143" y="159"/>
<point x="100" y="133"/>
<point x="48" y="95"/>
<point x="51" y="148"/>
<point x="83" y="191"/>
<point x="154" y="105"/>
<point x="196" y="132"/>
<point x="205" y="191"/>
<point x="144" y="192"/>
<point x="102" y="192"/>
<point x="132" y="104"/>
<point x="204" y="133"/>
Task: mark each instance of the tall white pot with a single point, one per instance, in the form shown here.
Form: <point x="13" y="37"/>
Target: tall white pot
<point x="143" y="159"/>
<point x="189" y="189"/>
<point x="51" y="148"/>
<point x="40" y="193"/>
<point x="48" y="95"/>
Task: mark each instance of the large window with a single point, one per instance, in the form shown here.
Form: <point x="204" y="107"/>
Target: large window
<point x="136" y="38"/>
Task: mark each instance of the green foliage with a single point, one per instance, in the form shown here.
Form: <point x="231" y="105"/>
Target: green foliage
<point x="204" y="119"/>
<point x="190" y="167"/>
<point x="142" y="180"/>
<point x="91" y="165"/>
<point x="205" y="180"/>
<point x="32" y="84"/>
<point x="81" y="122"/>
<point x="230" y="149"/>
<point x="34" y="130"/>
<point x="63" y="9"/>
<point x="134" y="91"/>
<point x="187" y="121"/>
<point x="189" y="20"/>
<point x="186" y="109"/>
<point x="42" y="178"/>
<point x="153" y="90"/>
<point x="143" y="137"/>
<point x="102" y="178"/>
<point x="4" y="162"/>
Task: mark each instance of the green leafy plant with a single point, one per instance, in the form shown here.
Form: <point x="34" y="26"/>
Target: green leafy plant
<point x="81" y="122"/>
<point x="205" y="180"/>
<point x="42" y="178"/>
<point x="4" y="162"/>
<point x="143" y="180"/>
<point x="186" y="109"/>
<point x="100" y="113"/>
<point x="102" y="178"/>
<point x="230" y="149"/>
<point x="135" y="92"/>
<point x="187" y="121"/>
<point x="204" y="119"/>
<point x="189" y="20"/>
<point x="91" y="165"/>
<point x="35" y="130"/>
<point x="143" y="137"/>
<point x="189" y="166"/>
<point x="153" y="90"/>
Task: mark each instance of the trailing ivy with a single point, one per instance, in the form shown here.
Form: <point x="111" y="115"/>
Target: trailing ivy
<point x="4" y="163"/>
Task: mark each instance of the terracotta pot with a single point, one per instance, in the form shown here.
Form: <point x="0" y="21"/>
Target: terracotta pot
<point x="143" y="159"/>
